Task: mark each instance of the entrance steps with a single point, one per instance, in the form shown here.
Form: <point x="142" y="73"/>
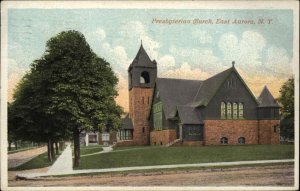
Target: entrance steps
<point x="173" y="143"/>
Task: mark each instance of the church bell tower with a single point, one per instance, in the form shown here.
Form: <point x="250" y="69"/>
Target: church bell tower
<point x="142" y="74"/>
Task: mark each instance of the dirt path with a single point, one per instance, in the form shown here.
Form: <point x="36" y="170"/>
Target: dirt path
<point x="21" y="157"/>
<point x="277" y="175"/>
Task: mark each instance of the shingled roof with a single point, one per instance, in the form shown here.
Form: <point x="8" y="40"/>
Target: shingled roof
<point x="174" y="92"/>
<point x="142" y="59"/>
<point x="126" y="123"/>
<point x="189" y="115"/>
<point x="209" y="87"/>
<point x="266" y="99"/>
<point x="184" y="96"/>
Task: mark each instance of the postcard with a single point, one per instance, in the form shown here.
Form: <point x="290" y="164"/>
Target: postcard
<point x="167" y="95"/>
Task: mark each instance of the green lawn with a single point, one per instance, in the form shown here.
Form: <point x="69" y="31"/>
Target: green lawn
<point x="133" y="147"/>
<point x="143" y="156"/>
<point x="40" y="161"/>
<point x="88" y="150"/>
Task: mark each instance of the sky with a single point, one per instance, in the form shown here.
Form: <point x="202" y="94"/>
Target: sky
<point x="263" y="53"/>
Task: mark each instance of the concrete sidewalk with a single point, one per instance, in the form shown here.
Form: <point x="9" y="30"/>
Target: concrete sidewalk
<point x="63" y="163"/>
<point x="63" y="172"/>
<point x="105" y="150"/>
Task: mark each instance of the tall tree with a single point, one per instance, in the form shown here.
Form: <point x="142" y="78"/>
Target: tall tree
<point x="69" y="89"/>
<point x="27" y="116"/>
<point x="286" y="100"/>
<point x="80" y="86"/>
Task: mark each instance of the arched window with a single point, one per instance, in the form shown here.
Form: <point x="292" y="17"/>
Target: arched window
<point x="235" y="110"/>
<point x="224" y="141"/>
<point x="223" y="110"/>
<point x="145" y="78"/>
<point x="242" y="140"/>
<point x="241" y="110"/>
<point x="229" y="111"/>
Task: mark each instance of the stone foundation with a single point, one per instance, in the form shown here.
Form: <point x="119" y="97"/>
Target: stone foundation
<point x="162" y="137"/>
<point x="189" y="143"/>
<point x="192" y="143"/>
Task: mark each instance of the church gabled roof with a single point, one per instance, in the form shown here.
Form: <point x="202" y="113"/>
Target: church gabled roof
<point x="189" y="115"/>
<point x="209" y="87"/>
<point x="142" y="59"/>
<point x="266" y="99"/>
<point x="174" y="92"/>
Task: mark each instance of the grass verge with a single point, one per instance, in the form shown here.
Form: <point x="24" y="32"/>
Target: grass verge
<point x="145" y="156"/>
<point x="39" y="161"/>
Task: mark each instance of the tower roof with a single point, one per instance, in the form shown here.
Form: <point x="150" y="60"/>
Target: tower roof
<point x="266" y="99"/>
<point x="142" y="59"/>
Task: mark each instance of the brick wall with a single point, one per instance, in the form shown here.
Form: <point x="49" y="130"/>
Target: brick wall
<point x="214" y="130"/>
<point x="266" y="132"/>
<point x="138" y="112"/>
<point x="125" y="143"/>
<point x="162" y="137"/>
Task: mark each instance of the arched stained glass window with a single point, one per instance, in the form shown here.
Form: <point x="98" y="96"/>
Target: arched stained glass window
<point x="235" y="110"/>
<point x="241" y="110"/>
<point x="229" y="111"/>
<point x="223" y="110"/>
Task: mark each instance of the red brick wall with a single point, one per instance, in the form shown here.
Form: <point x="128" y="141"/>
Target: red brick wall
<point x="266" y="132"/>
<point x="162" y="137"/>
<point x="214" y="130"/>
<point x="125" y="143"/>
<point x="138" y="112"/>
<point x="192" y="143"/>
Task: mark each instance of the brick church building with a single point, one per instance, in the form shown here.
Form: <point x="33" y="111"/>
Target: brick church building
<point x="216" y="111"/>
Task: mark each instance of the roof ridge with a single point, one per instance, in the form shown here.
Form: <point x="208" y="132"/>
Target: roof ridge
<point x="197" y="92"/>
<point x="181" y="79"/>
<point x="231" y="68"/>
